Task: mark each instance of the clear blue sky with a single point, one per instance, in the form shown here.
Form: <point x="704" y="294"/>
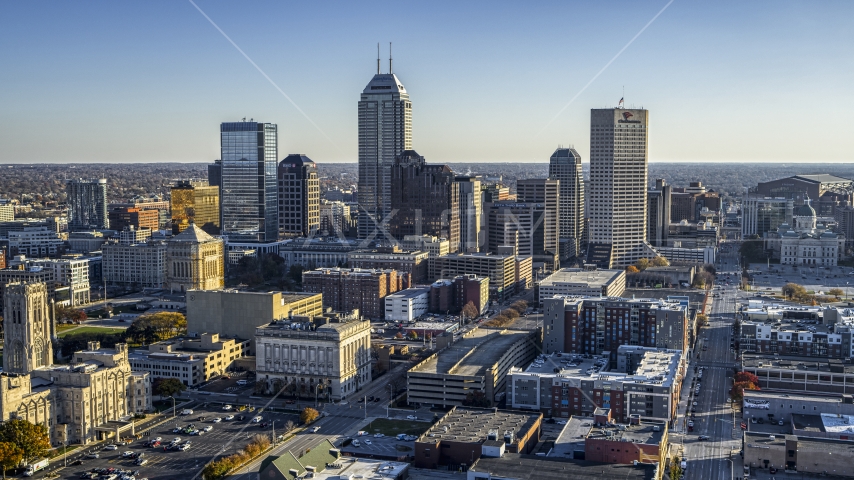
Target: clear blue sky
<point x="106" y="81"/>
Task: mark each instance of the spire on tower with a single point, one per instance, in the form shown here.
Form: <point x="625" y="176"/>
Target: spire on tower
<point x="378" y="58"/>
<point x="389" y="59"/>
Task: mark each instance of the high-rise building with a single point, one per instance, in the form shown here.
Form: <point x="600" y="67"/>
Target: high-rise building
<point x="248" y="203"/>
<point x="762" y="214"/>
<point x="299" y="197"/>
<point x="347" y="289"/>
<point x="215" y="173"/>
<point x="87" y="204"/>
<point x="544" y="194"/>
<point x="334" y="218"/>
<point x="658" y="213"/>
<point x="471" y="213"/>
<point x="618" y="181"/>
<point x="565" y="165"/>
<point x="385" y="130"/>
<point x="425" y="200"/>
<point x="194" y="261"/>
<point x="195" y="202"/>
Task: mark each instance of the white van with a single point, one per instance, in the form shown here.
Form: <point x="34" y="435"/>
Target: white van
<point x="356" y="443"/>
<point x="186" y="411"/>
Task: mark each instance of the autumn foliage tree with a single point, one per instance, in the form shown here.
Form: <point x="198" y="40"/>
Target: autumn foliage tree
<point x="632" y="269"/>
<point x="32" y="440"/>
<point x="743" y="381"/>
<point x="308" y="415"/>
<point x="10" y="456"/>
<point x="156" y="327"/>
<point x="469" y="311"/>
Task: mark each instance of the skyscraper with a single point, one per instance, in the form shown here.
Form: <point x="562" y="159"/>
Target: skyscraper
<point x="299" y="196"/>
<point x="248" y="204"/>
<point x="426" y="199"/>
<point x="618" y="181"/>
<point x="565" y="165"/>
<point x="87" y="204"/>
<point x="385" y="130"/>
<point x="544" y="195"/>
<point x="195" y="202"/>
<point x="658" y="213"/>
<point x="471" y="213"/>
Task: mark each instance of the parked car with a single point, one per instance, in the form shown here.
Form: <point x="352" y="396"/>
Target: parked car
<point x="315" y="429"/>
<point x="411" y="417"/>
<point x="229" y="417"/>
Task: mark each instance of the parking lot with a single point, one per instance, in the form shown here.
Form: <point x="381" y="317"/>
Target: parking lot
<point x="384" y="446"/>
<point x="225" y="438"/>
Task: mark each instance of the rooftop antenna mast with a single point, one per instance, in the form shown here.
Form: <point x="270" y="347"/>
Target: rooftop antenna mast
<point x="378" y="58"/>
<point x="389" y="59"/>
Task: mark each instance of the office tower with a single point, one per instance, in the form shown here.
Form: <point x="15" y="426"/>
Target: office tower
<point x="194" y="261"/>
<point x="385" y="130"/>
<point x="194" y="202"/>
<point x="334" y="218"/>
<point x="544" y="195"/>
<point x="762" y="214"/>
<point x="658" y="213"/>
<point x="247" y="194"/>
<point x="299" y="197"/>
<point x="618" y="181"/>
<point x="87" y="204"/>
<point x="27" y="328"/>
<point x="471" y="213"/>
<point x="565" y="165"/>
<point x="425" y="200"/>
<point x="215" y="173"/>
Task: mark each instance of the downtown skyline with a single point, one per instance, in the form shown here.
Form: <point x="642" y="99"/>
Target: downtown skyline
<point x="489" y="83"/>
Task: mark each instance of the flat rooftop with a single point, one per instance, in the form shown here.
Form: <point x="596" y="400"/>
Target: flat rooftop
<point x="569" y="365"/>
<point x="571" y="438"/>
<point x="533" y="467"/>
<point x="352" y="467"/>
<point x="825" y="422"/>
<point x="577" y="277"/>
<point x="645" y="433"/>
<point x="658" y="366"/>
<point x="410" y="292"/>
<point x="474" y="424"/>
<point x="805" y="364"/>
<point x="831" y="400"/>
<point x="472" y="355"/>
<point x="829" y="445"/>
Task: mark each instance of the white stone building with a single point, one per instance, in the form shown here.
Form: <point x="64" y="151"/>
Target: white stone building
<point x="311" y="358"/>
<point x="137" y="265"/>
<point x="806" y="242"/>
<point x="407" y="305"/>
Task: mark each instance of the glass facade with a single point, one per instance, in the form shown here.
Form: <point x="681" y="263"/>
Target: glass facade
<point x="248" y="204"/>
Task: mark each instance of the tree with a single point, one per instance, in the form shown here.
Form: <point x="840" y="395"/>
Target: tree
<point x="519" y="306"/>
<point x="476" y="398"/>
<point x="216" y="470"/>
<point x="836" y="292"/>
<point x="702" y="319"/>
<point x="10" y="456"/>
<point x="413" y="335"/>
<point x="642" y="264"/>
<point x="632" y="269"/>
<point x="156" y="327"/>
<point x="660" y="262"/>
<point x="167" y="387"/>
<point x="469" y="311"/>
<point x="69" y="314"/>
<point x="33" y="440"/>
<point x="745" y="377"/>
<point x="675" y="468"/>
<point x="398" y="336"/>
<point x="738" y="388"/>
<point x="794" y="291"/>
<point x="308" y="415"/>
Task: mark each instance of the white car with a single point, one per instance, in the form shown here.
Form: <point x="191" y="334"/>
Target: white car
<point x="315" y="429"/>
<point x="158" y="439"/>
<point x="229" y="418"/>
<point x="257" y="419"/>
<point x="367" y="441"/>
<point x="208" y="428"/>
<point x="227" y="407"/>
<point x="176" y="440"/>
<point x="127" y="453"/>
<point x="561" y="422"/>
<point x="111" y="447"/>
<point x="411" y="417"/>
<point x="216" y="420"/>
<point x="186" y="411"/>
<point x="378" y="435"/>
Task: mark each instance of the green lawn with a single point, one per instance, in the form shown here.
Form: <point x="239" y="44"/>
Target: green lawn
<point x="89" y="330"/>
<point x="392" y="428"/>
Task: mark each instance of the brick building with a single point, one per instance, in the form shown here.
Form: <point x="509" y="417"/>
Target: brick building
<point x="597" y="325"/>
<point x="458" y="438"/>
<point x="138" y="218"/>
<point x="346" y="289"/>
<point x="638" y="441"/>
<point x="412" y="262"/>
<point x="452" y="295"/>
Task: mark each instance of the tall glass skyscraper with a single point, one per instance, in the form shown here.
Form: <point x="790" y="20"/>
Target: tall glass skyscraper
<point x="385" y="131"/>
<point x="565" y="165"/>
<point x="87" y="204"/>
<point x="248" y="204"/>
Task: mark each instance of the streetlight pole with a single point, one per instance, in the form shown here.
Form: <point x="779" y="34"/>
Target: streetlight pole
<point x="390" y="398"/>
<point x="274" y="432"/>
<point x="173" y="405"/>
